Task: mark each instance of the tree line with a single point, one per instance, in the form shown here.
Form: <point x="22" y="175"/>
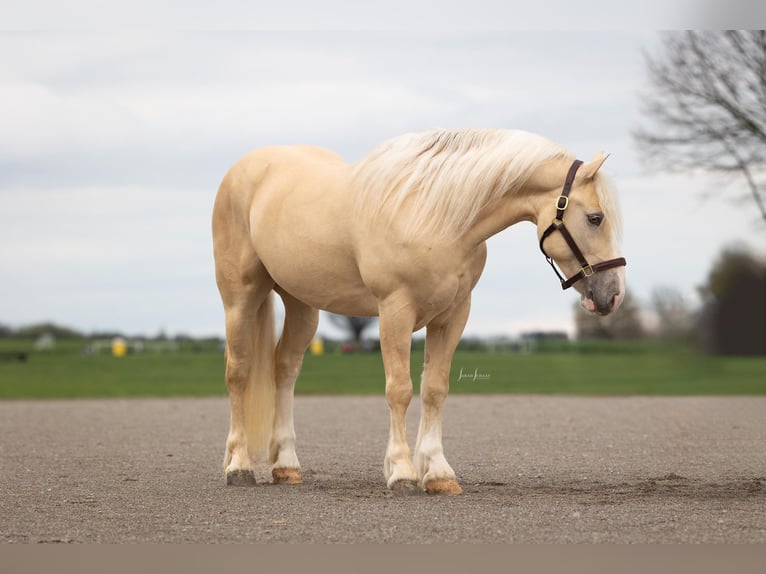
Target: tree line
<point x="730" y="321"/>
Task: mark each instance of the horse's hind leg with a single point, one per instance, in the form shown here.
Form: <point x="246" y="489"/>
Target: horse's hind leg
<point x="300" y="326"/>
<point x="245" y="294"/>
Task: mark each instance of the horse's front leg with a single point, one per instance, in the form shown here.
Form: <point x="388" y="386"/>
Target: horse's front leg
<point x="442" y="337"/>
<point x="397" y="319"/>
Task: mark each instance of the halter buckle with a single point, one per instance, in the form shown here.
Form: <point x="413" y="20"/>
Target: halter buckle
<point x="588" y="270"/>
<point x="562" y="203"/>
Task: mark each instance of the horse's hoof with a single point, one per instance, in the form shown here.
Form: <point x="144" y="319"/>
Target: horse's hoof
<point x="286" y="476"/>
<point x="406" y="488"/>
<point x="240" y="478"/>
<point x="443" y="486"/>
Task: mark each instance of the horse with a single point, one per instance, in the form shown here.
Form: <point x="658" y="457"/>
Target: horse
<point x="401" y="235"/>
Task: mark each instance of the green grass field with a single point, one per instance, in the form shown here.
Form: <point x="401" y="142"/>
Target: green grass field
<point x="619" y="371"/>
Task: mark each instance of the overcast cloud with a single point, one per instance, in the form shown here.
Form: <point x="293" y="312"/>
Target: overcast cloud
<point x="112" y="147"/>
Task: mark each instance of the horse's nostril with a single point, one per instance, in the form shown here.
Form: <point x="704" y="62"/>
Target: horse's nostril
<point x="589" y="294"/>
<point x="612" y="301"/>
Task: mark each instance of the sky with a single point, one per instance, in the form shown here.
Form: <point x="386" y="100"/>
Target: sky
<point x="113" y="144"/>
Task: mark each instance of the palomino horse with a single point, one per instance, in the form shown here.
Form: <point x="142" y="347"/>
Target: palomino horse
<point x="399" y="235"/>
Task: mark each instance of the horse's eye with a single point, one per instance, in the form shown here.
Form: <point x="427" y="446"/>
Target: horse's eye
<point x="595" y="219"/>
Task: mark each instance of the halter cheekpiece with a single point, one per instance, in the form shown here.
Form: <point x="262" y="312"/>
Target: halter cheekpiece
<point x="586" y="269"/>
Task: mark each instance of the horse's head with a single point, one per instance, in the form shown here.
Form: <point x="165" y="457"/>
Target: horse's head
<point x="582" y="238"/>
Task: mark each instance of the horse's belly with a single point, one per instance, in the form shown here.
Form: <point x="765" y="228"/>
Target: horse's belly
<point x="328" y="283"/>
<point x="341" y="299"/>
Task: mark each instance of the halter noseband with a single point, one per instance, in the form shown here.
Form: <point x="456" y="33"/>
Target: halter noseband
<point x="586" y="269"/>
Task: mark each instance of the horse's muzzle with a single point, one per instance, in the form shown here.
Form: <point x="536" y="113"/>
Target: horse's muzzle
<point x="603" y="293"/>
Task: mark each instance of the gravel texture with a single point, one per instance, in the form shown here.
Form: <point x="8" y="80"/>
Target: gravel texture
<point x="533" y="469"/>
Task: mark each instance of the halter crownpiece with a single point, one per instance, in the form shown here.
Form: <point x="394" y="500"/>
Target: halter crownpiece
<point x="586" y="269"/>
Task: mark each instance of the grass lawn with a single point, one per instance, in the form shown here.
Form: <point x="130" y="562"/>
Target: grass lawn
<point x="624" y="372"/>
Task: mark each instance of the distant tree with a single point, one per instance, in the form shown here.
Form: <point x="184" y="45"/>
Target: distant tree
<point x="352" y="326"/>
<point x="673" y="313"/>
<point x="708" y="106"/>
<point x="734" y="314"/>
<point x="34" y="331"/>
<point x="623" y="324"/>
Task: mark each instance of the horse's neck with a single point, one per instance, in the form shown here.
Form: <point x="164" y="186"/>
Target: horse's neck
<point x="523" y="204"/>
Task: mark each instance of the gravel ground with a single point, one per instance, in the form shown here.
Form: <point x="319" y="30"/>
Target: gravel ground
<point x="533" y="469"/>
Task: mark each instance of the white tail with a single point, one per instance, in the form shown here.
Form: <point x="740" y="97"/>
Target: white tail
<point x="261" y="384"/>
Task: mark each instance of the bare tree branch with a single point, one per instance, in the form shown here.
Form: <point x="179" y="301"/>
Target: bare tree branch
<point x="707" y="106"/>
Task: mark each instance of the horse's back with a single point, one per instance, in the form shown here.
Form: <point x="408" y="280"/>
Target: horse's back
<point x="261" y="176"/>
<point x="277" y="162"/>
<point x="288" y="158"/>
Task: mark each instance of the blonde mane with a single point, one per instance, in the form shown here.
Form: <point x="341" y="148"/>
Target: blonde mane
<point x="447" y="176"/>
<point x="607" y="199"/>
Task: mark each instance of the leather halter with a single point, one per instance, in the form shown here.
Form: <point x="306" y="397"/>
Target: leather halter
<point x="586" y="269"/>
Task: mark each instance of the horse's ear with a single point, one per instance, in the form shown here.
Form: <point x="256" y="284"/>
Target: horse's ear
<point x="588" y="170"/>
